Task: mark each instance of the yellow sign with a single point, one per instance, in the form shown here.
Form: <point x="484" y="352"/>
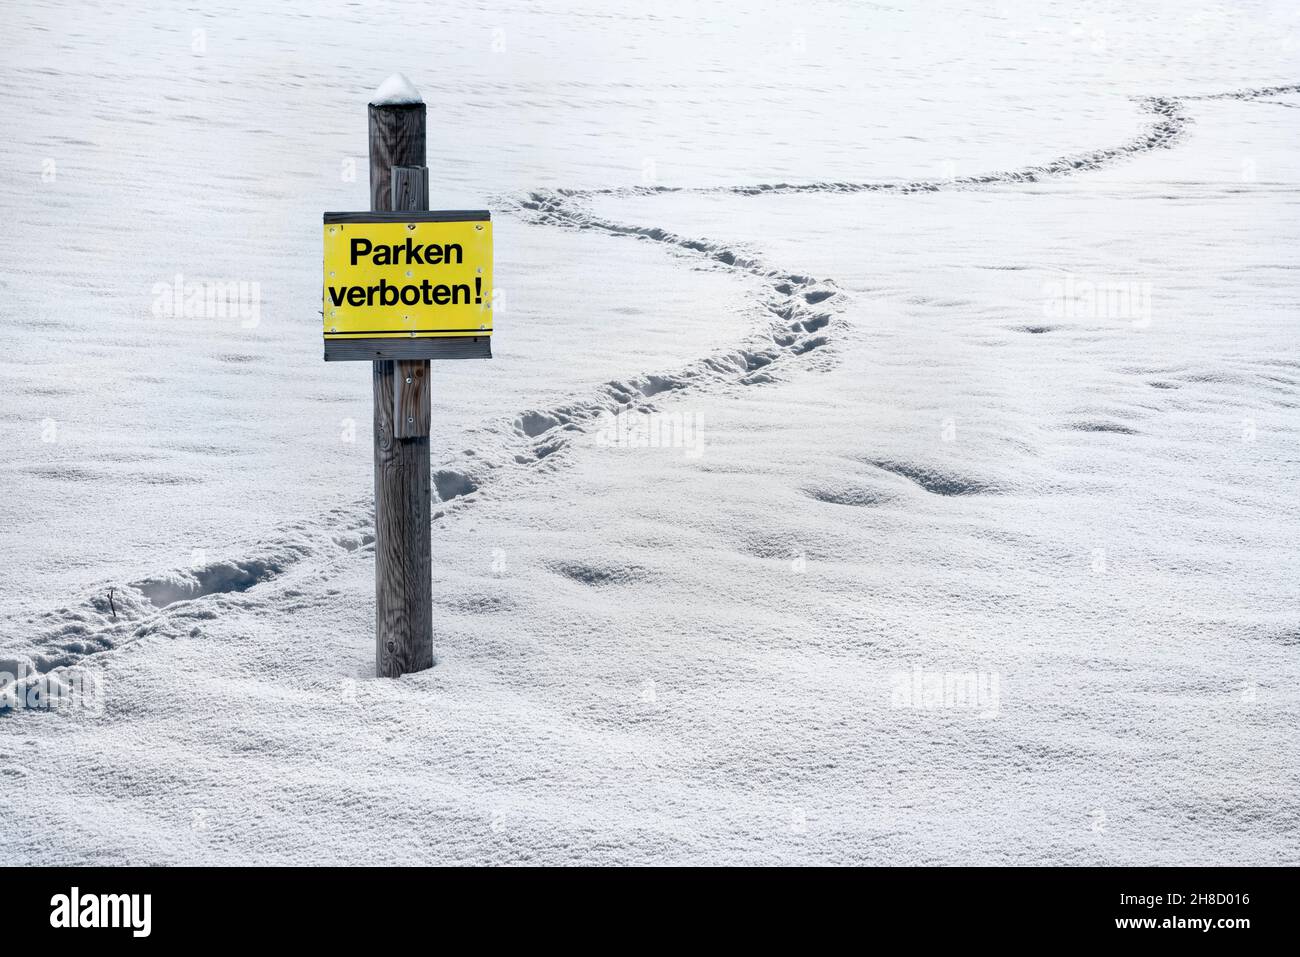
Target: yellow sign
<point x="412" y="275"/>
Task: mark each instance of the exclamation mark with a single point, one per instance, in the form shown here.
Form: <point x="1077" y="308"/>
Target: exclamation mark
<point x="478" y="290"/>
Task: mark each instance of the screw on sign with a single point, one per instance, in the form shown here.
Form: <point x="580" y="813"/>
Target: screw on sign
<point x="404" y="285"/>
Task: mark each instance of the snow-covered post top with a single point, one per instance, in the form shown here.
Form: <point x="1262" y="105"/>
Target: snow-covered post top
<point x="396" y="135"/>
<point x="397" y="90"/>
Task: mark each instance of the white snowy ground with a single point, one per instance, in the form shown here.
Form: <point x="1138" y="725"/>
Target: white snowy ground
<point x="915" y="459"/>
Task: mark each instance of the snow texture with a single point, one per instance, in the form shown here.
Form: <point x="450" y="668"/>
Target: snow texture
<point x="889" y="456"/>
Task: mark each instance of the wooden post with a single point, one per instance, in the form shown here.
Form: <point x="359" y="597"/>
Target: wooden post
<point x="403" y="567"/>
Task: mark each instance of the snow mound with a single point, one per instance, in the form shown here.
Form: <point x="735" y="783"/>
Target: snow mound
<point x="395" y="91"/>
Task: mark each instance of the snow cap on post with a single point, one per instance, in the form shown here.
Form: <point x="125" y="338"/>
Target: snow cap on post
<point x="397" y="90"/>
<point x="397" y="120"/>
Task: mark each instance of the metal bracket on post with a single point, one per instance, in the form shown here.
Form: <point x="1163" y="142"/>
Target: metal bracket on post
<point x="412" y="415"/>
<point x="410" y="188"/>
